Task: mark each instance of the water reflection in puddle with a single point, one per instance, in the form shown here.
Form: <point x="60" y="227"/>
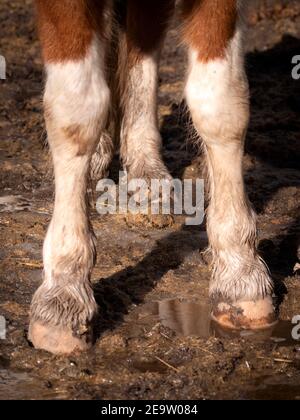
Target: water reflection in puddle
<point x="21" y="386"/>
<point x="274" y="388"/>
<point x="13" y="203"/>
<point x="190" y="318"/>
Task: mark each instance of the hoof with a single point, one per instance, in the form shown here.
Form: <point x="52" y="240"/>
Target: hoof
<point x="251" y="315"/>
<point x="57" y="339"/>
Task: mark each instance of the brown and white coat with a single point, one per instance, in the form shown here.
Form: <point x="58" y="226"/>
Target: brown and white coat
<point x="76" y="40"/>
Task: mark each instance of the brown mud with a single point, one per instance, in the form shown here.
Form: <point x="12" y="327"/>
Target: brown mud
<point x="154" y="339"/>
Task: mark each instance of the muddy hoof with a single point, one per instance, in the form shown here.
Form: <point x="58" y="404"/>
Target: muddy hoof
<point x="256" y="315"/>
<point x="57" y="340"/>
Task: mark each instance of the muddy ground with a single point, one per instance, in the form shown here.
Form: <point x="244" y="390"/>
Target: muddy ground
<point x="145" y="271"/>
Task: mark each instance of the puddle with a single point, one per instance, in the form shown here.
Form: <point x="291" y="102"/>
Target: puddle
<point x="12" y="203"/>
<point x="274" y="388"/>
<point x="277" y="392"/>
<point x="21" y="386"/>
<point x="190" y="318"/>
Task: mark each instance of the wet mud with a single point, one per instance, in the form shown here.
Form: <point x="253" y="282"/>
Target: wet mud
<point x="155" y="339"/>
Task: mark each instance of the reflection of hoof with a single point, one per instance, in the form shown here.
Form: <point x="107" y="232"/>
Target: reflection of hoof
<point x="256" y="315"/>
<point x="56" y="339"/>
<point x="254" y="335"/>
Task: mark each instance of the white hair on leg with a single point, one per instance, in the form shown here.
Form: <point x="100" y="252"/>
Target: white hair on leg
<point x="217" y="95"/>
<point x="140" y="138"/>
<point x="76" y="106"/>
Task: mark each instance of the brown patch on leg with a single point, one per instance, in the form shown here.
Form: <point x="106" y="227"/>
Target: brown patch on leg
<point x="146" y="25"/>
<point x="143" y="28"/>
<point x="66" y="27"/>
<point x="209" y="26"/>
<point x="76" y="134"/>
<point x="139" y="29"/>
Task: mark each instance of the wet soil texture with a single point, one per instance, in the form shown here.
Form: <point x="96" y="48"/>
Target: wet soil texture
<point x="154" y="339"/>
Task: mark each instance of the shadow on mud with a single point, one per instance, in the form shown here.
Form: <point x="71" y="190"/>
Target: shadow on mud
<point x="117" y="293"/>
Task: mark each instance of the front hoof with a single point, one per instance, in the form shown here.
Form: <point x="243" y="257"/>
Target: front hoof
<point x="57" y="339"/>
<point x="248" y="315"/>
